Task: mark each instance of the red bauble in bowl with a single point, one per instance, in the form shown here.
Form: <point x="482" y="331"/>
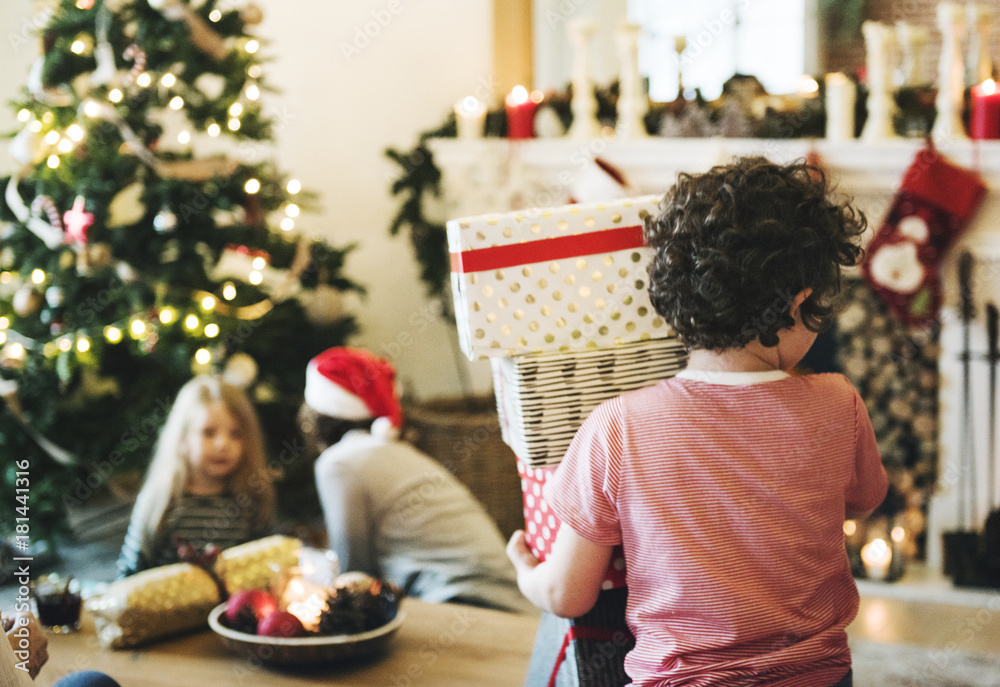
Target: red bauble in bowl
<point x="244" y="610"/>
<point x="280" y="624"/>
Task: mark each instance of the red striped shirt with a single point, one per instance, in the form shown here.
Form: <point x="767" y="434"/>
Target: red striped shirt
<point x="729" y="502"/>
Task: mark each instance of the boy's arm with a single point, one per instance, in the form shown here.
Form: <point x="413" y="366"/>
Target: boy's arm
<point x="567" y="583"/>
<point x="870" y="483"/>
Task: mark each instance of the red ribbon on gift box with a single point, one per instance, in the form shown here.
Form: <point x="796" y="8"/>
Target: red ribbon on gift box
<point x="543" y="250"/>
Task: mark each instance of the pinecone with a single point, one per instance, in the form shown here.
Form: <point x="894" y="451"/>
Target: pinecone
<point x="341" y="615"/>
<point x="352" y="610"/>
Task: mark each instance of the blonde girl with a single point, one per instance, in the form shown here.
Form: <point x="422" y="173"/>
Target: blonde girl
<point x="208" y="481"/>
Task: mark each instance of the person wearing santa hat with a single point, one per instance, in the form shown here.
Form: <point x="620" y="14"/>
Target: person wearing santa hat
<point x="390" y="510"/>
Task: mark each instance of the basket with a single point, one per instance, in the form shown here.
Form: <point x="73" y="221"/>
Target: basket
<point x="463" y="434"/>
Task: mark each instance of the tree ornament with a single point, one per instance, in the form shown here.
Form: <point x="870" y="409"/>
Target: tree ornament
<point x="212" y="85"/>
<point x="930" y="210"/>
<point x="240" y="370"/>
<point x="323" y="305"/>
<point x="45" y="204"/>
<point x="77" y="222"/>
<point x="26" y="147"/>
<point x="55" y="296"/>
<point x="126" y="272"/>
<point x="252" y="14"/>
<point x="127" y="208"/>
<point x="99" y="255"/>
<point x="202" y="35"/>
<point x="26" y="301"/>
<point x="104" y="54"/>
<point x="56" y="97"/>
<point x="165" y="220"/>
<point x="138" y="56"/>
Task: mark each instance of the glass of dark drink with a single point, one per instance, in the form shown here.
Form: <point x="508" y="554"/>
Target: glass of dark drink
<point x="57" y="600"/>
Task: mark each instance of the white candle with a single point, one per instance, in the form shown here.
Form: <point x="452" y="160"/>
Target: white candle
<point x="876" y="555"/>
<point x="470" y="116"/>
<point x="841" y="94"/>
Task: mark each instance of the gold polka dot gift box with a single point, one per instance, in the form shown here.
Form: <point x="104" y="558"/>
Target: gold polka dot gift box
<point x="558" y="279"/>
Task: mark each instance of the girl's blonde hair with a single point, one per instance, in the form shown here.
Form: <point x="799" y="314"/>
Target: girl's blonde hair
<point x="168" y="471"/>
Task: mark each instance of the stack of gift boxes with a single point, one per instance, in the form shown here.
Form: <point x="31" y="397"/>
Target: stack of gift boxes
<point x="557" y="300"/>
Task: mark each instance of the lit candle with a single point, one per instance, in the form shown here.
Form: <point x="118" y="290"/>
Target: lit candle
<point x="984" y="121"/>
<point x="304" y="600"/>
<point x="841" y="94"/>
<point x="876" y="555"/>
<point x="520" y="114"/>
<point x="470" y="115"/>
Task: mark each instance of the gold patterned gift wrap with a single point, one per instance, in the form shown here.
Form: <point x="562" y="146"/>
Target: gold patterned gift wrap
<point x="553" y="280"/>
<point x="177" y="598"/>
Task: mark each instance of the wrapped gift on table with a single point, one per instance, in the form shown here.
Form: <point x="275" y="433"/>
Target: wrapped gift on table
<point x="172" y="599"/>
<point x="558" y="279"/>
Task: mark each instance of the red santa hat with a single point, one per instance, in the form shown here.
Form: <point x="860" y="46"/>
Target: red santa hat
<point x="353" y="384"/>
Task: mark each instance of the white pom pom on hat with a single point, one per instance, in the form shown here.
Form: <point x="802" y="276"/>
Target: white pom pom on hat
<point x="353" y="384"/>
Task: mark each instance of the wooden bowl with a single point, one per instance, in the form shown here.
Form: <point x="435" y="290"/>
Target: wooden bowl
<point x="303" y="651"/>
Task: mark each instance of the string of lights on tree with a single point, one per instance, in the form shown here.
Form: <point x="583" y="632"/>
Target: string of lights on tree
<point x="136" y="233"/>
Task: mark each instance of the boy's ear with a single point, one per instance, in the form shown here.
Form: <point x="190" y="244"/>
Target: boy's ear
<point x="800" y="298"/>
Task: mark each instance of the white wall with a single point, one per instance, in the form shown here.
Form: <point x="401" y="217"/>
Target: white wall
<point x="341" y="114"/>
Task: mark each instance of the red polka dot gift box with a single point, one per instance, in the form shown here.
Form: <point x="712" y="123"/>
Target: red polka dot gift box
<point x="541" y="524"/>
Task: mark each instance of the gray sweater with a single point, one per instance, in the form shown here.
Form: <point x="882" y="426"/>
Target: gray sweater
<point x="395" y="513"/>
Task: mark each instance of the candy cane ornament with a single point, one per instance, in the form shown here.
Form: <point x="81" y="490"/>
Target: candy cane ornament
<point x="138" y="57"/>
<point x="47" y="205"/>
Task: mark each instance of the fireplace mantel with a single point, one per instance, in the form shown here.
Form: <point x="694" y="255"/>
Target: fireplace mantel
<point x="496" y="175"/>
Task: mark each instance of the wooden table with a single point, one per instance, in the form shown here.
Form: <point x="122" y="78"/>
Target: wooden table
<point x="439" y="645"/>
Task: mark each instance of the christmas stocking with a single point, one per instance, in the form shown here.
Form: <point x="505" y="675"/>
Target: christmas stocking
<point x="930" y="210"/>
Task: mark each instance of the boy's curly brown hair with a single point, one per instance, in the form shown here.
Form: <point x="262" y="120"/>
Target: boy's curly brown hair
<point x="736" y="244"/>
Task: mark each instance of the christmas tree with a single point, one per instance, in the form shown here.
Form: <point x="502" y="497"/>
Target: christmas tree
<point x="144" y="238"/>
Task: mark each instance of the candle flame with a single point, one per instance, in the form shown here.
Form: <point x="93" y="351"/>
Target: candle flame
<point x="898" y="534"/>
<point x="518" y="96"/>
<point x="876" y="553"/>
<point x="989" y="87"/>
<point x="850" y="527"/>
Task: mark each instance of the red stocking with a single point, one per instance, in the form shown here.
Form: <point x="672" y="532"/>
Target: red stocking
<point x="931" y="209"/>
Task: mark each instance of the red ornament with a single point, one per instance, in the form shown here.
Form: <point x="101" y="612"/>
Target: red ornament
<point x="258" y="602"/>
<point x="77" y="223"/>
<point x="281" y="624"/>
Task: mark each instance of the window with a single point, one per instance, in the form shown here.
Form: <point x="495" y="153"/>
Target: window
<point x="774" y="40"/>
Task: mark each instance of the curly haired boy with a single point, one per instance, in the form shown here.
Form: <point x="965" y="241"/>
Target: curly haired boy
<point x="727" y="485"/>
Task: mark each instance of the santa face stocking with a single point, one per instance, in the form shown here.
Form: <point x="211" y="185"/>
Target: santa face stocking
<point x="931" y="209"/>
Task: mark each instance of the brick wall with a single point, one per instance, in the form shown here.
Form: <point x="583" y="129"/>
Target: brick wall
<point x="847" y="55"/>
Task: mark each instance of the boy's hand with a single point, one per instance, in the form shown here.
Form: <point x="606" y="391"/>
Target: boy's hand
<point x="520" y="553"/>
